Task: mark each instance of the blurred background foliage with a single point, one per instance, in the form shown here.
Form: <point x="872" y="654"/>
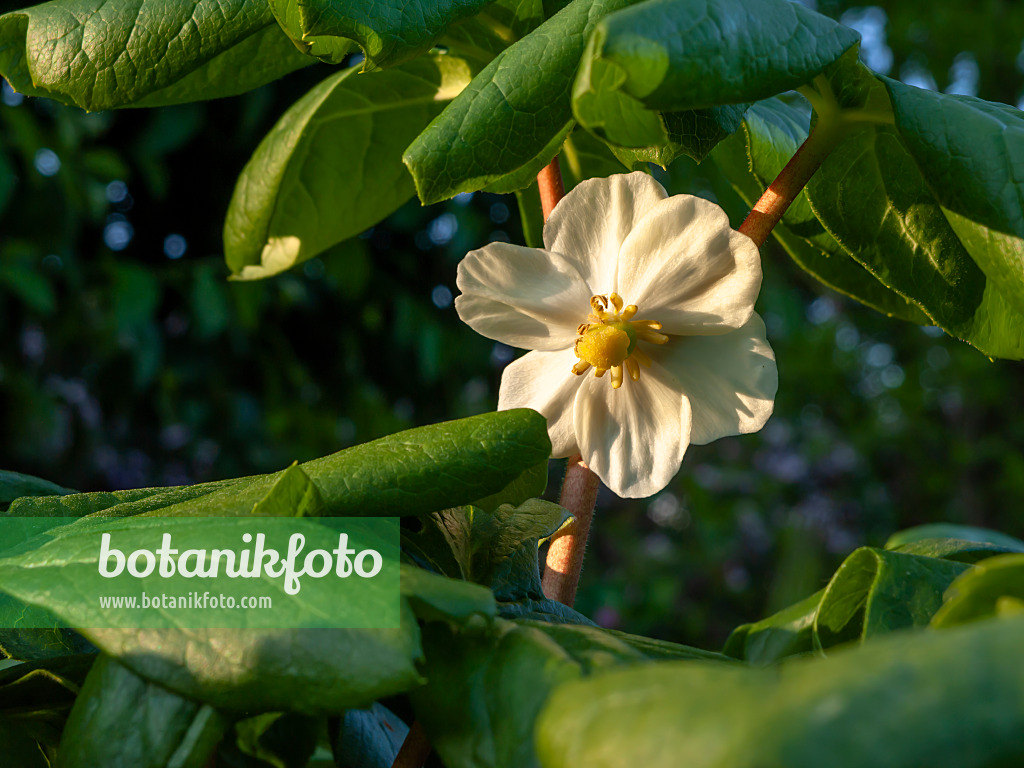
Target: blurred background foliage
<point x="129" y="359"/>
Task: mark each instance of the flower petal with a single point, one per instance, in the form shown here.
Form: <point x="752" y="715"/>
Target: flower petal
<point x="545" y="382"/>
<point x="686" y="267"/>
<point x="633" y="437"/>
<point x="589" y="225"/>
<point x="731" y="379"/>
<point x="524" y="297"/>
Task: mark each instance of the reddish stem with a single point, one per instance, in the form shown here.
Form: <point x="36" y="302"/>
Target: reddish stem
<point x="549" y="182"/>
<point x="768" y="211"/>
<point x="565" y="553"/>
<point x="415" y="749"/>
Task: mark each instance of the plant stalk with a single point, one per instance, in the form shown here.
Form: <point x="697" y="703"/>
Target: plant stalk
<point x="549" y="182"/>
<point x="415" y="749"/>
<point x="775" y="201"/>
<point x="579" y="488"/>
<point x="565" y="552"/>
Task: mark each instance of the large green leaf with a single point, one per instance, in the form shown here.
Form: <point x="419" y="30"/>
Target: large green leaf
<point x="100" y="54"/>
<point x="940" y="699"/>
<point x="513" y="112"/>
<point x="773" y="131"/>
<point x="971" y="154"/>
<point x="389" y="31"/>
<point x="155" y="728"/>
<point x="330" y="168"/>
<point x="876" y="591"/>
<point x="413" y="472"/>
<point x="872" y="198"/>
<point x="673" y="55"/>
<point x="982" y="591"/>
<point x="261" y="670"/>
<point x="487" y="684"/>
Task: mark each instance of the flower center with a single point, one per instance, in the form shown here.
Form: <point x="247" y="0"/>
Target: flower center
<point x="608" y="340"/>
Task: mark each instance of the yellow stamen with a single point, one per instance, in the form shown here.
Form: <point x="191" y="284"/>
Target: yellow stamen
<point x="653" y="336"/>
<point x="632" y="367"/>
<point x="608" y="340"/>
<point x="581" y="367"/>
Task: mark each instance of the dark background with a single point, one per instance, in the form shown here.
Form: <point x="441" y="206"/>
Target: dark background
<point x="129" y="360"/>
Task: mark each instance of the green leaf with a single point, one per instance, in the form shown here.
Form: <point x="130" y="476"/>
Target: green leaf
<point x="292" y="495"/>
<point x="409" y="473"/>
<point x="786" y="633"/>
<point x="871" y="197"/>
<point x="100" y="55"/>
<point x="527" y="486"/>
<point x="978" y="593"/>
<point x="971" y="154"/>
<point x="498" y="550"/>
<point x="40" y="644"/>
<point x="389" y="32"/>
<point x="666" y="56"/>
<point x="511" y="114"/>
<point x="155" y="728"/>
<point x="438" y="598"/>
<point x="941" y="699"/>
<point x="773" y="131"/>
<point x="876" y="591"/>
<point x="14" y="485"/>
<point x="35" y="698"/>
<point x="261" y="670"/>
<point x="332" y="50"/>
<point x="964" y="543"/>
<point x="486" y="685"/>
<point x="286" y="210"/>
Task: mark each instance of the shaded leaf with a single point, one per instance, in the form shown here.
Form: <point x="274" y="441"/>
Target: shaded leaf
<point x="877" y="591"/>
<point x="786" y="633"/>
<point x="510" y="114"/>
<point x="286" y="210"/>
<point x="971" y="154"/>
<point x="155" y="728"/>
<point x="487" y="685"/>
<point x="389" y="31"/>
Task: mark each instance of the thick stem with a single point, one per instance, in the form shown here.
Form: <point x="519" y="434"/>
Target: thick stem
<point x="565" y="553"/>
<point x="415" y="749"/>
<point x="768" y="211"/>
<point x="579" y="489"/>
<point x="549" y="182"/>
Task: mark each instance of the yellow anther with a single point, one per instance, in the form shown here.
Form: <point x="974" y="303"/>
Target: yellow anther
<point x="652" y="336"/>
<point x="632" y="368"/>
<point x="608" y="340"/>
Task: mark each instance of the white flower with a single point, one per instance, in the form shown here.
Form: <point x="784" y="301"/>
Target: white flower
<point x="657" y="290"/>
